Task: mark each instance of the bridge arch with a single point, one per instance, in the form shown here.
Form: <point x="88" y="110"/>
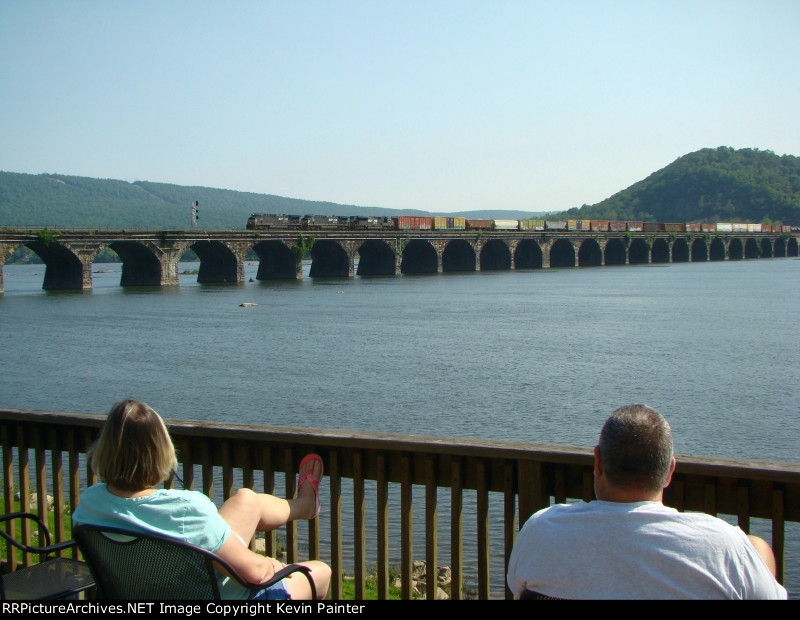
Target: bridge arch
<point x="64" y="268"/>
<point x="699" y="250"/>
<point x="680" y="251"/>
<point x="562" y="254"/>
<point x="639" y="252"/>
<point x="717" y="249"/>
<point x="528" y="255"/>
<point x="780" y="247"/>
<point x="458" y="255"/>
<point x="792" y="247"/>
<point x="495" y="254"/>
<point x="735" y="249"/>
<point x="751" y="249"/>
<point x="659" y="252"/>
<point x="767" y="249"/>
<point x="140" y="265"/>
<point x="218" y="262"/>
<point x="377" y="258"/>
<point x="616" y="253"/>
<point x="330" y="260"/>
<point x="419" y="256"/>
<point x="590" y="254"/>
<point x="276" y="261"/>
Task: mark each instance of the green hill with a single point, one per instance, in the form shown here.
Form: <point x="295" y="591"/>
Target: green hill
<point x="709" y="185"/>
<point x="66" y="201"/>
<point x="58" y="201"/>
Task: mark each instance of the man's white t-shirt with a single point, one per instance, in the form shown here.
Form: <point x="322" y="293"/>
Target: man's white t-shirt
<point x="640" y="550"/>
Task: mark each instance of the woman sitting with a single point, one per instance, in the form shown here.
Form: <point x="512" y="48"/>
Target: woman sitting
<point x="135" y="453"/>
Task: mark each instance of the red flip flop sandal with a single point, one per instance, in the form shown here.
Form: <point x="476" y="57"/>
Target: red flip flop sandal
<point x="310" y="478"/>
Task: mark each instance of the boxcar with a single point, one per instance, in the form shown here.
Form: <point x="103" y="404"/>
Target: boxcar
<point x="408" y="222"/>
<point x="480" y="224"/>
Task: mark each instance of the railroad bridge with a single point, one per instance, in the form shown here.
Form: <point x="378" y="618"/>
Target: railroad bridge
<point x="151" y="257"/>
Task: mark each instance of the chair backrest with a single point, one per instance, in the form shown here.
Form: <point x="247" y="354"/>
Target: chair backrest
<point x="128" y="565"/>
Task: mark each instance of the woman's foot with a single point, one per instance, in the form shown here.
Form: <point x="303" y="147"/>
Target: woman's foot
<point x="310" y="474"/>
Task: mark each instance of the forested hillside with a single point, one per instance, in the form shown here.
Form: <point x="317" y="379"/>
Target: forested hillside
<point x="56" y="201"/>
<point x="710" y="185"/>
<point x="62" y="201"/>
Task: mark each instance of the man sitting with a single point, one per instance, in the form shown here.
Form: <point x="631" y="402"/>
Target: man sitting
<point x="627" y="544"/>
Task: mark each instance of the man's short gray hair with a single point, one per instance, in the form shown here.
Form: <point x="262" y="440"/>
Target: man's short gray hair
<point x="636" y="448"/>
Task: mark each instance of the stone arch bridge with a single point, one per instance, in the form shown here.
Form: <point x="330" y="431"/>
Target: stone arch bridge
<point x="150" y="258"/>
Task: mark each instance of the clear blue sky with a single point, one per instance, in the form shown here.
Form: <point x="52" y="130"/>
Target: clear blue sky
<point x="436" y="105"/>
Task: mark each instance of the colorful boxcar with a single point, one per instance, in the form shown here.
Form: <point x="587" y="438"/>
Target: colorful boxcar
<point x="408" y="222"/>
<point x="448" y="223"/>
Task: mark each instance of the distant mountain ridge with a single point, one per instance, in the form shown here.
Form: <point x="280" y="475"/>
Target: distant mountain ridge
<point x="710" y="185"/>
<point x="56" y="200"/>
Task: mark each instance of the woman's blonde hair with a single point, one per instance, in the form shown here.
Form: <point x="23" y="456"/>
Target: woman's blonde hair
<point x="134" y="451"/>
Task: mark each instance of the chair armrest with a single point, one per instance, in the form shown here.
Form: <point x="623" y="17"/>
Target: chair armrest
<point x="45" y="549"/>
<point x="285" y="572"/>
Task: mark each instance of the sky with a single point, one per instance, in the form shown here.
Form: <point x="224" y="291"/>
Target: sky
<point x="439" y="105"/>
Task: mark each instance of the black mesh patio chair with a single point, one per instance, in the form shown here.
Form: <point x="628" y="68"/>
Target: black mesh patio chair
<point x="132" y="566"/>
<point x="532" y="595"/>
<point x="52" y="577"/>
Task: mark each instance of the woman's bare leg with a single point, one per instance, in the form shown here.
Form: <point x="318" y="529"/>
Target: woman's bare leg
<point x="248" y="512"/>
<point x="298" y="586"/>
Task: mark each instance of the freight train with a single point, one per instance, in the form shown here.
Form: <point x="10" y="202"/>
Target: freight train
<point x="267" y="221"/>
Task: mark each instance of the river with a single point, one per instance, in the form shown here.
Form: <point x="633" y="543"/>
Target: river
<point x="541" y="355"/>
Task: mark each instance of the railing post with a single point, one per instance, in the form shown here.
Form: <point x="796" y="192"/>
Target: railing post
<point x="24" y="489"/>
<point x="227" y="470"/>
<point x="482" y="490"/>
<point x="207" y="470"/>
<point x="778" y="531"/>
<point x="74" y="478"/>
<point x="58" y="487"/>
<point x="268" y="473"/>
<point x="188" y="466"/>
<point x="743" y="507"/>
<point x="8" y="491"/>
<point x="335" y="481"/>
<point x="431" y="529"/>
<point x="406" y="523"/>
<point x="290" y="484"/>
<point x="532" y="488"/>
<point x="359" y="529"/>
<point x="382" y="485"/>
<point x="509" y="519"/>
<point x="456" y="532"/>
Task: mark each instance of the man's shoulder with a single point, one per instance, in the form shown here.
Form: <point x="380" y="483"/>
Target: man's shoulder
<point x="598" y="507"/>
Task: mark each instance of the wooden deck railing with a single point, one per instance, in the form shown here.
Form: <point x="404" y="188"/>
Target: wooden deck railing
<point x="377" y="485"/>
